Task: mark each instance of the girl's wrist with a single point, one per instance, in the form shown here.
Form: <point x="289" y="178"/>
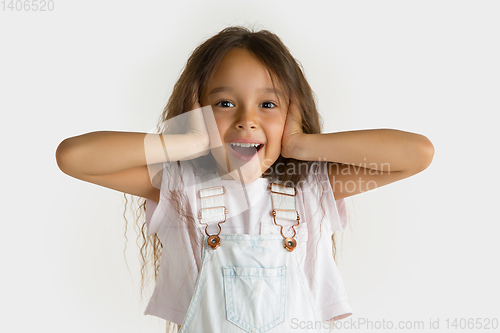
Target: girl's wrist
<point x="296" y="147"/>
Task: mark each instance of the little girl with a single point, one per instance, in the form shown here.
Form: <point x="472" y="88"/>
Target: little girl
<point x="242" y="190"/>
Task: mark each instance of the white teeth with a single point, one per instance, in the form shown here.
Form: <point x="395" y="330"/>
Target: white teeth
<point x="245" y="144"/>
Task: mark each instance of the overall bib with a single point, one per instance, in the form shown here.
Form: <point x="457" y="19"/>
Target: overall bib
<point x="251" y="283"/>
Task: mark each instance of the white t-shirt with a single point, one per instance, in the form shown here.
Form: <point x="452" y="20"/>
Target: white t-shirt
<point x="181" y="258"/>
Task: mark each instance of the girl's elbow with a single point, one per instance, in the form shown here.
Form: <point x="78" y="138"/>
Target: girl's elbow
<point x="63" y="153"/>
<point x="426" y="153"/>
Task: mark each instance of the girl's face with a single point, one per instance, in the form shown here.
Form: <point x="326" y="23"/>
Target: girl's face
<point x="247" y="112"/>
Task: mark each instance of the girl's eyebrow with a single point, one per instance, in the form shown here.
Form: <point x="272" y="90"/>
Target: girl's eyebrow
<point x="263" y="90"/>
<point x="272" y="91"/>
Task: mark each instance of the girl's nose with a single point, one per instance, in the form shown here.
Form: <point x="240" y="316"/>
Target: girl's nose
<point x="247" y="119"/>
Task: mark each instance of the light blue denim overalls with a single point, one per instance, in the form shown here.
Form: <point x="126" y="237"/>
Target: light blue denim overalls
<point x="250" y="283"/>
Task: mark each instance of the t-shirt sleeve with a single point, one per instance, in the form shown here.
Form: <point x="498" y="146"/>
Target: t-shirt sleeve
<point x="342" y="213"/>
<point x="162" y="214"/>
<point x="318" y="191"/>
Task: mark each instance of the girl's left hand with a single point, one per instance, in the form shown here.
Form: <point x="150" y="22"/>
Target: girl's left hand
<point x="292" y="130"/>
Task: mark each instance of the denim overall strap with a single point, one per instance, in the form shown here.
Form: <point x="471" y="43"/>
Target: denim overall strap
<point x="213" y="209"/>
<point x="283" y="198"/>
<point x="211" y="198"/>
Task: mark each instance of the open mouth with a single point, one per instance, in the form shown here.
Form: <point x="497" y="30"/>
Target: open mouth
<point x="246" y="149"/>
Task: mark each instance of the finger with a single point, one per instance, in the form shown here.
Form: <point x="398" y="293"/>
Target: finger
<point x="213" y="131"/>
<point x="195" y="100"/>
<point x="297" y="115"/>
<point x="196" y="122"/>
<point x="291" y="114"/>
<point x="216" y="147"/>
<point x="196" y="105"/>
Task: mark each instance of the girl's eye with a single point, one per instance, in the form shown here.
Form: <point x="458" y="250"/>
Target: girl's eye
<point x="223" y="102"/>
<point x="268" y="102"/>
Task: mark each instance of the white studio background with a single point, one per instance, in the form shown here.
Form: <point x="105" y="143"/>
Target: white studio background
<point x="424" y="247"/>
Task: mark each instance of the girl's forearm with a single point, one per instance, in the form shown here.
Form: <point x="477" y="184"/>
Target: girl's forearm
<point x="380" y="149"/>
<point x="107" y="152"/>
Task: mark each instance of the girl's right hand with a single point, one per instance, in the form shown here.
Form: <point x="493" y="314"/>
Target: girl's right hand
<point x="197" y="129"/>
